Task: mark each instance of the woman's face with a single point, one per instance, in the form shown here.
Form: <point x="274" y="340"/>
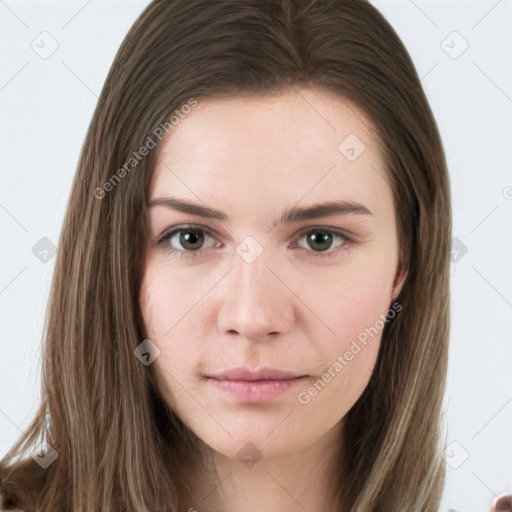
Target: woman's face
<point x="284" y="269"/>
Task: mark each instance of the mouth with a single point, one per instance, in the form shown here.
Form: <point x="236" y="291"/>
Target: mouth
<point x="255" y="386"/>
<point x="253" y="375"/>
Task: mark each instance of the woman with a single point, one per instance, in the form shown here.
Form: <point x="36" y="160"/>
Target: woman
<point x="250" y="304"/>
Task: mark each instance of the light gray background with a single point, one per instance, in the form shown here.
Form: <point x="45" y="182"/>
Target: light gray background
<point x="46" y="105"/>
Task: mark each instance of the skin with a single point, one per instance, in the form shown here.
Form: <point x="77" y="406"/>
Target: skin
<point x="290" y="308"/>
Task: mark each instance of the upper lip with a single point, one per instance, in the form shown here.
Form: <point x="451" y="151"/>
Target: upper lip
<point x="248" y="374"/>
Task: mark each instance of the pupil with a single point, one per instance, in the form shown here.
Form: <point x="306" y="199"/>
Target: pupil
<point x="319" y="238"/>
<point x="190" y="237"/>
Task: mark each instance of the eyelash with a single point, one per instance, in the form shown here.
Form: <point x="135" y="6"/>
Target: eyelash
<point x="165" y="239"/>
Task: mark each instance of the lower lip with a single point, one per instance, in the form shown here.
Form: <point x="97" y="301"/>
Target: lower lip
<point x="254" y="391"/>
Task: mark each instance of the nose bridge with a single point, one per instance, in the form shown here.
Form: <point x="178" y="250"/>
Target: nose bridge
<point x="255" y="301"/>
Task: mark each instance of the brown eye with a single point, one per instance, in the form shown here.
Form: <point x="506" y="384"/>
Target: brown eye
<point x="184" y="240"/>
<point x="191" y="239"/>
<point x="319" y="240"/>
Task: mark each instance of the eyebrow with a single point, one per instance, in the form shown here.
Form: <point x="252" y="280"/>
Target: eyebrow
<point x="294" y="214"/>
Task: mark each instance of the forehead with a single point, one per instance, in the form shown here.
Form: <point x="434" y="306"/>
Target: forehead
<point x="302" y="142"/>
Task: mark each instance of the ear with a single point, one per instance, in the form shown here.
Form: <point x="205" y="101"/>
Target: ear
<point x="400" y="276"/>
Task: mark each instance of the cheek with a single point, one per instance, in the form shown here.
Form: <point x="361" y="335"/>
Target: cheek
<point x="356" y="317"/>
<point x="165" y="299"/>
<point x="171" y="308"/>
<point x="156" y="305"/>
<point x="351" y="299"/>
<point x="146" y="306"/>
<point x="159" y="304"/>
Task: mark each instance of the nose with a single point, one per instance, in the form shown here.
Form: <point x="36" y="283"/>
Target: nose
<point x="257" y="298"/>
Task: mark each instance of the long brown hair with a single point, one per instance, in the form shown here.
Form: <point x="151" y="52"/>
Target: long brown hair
<point x="119" y="445"/>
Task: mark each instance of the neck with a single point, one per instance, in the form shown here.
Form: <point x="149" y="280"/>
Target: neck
<point x="301" y="480"/>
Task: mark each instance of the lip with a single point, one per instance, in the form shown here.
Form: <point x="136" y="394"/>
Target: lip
<point x="255" y="386"/>
<point x="242" y="373"/>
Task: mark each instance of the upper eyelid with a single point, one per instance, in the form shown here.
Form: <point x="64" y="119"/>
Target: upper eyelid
<point x="183" y="227"/>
